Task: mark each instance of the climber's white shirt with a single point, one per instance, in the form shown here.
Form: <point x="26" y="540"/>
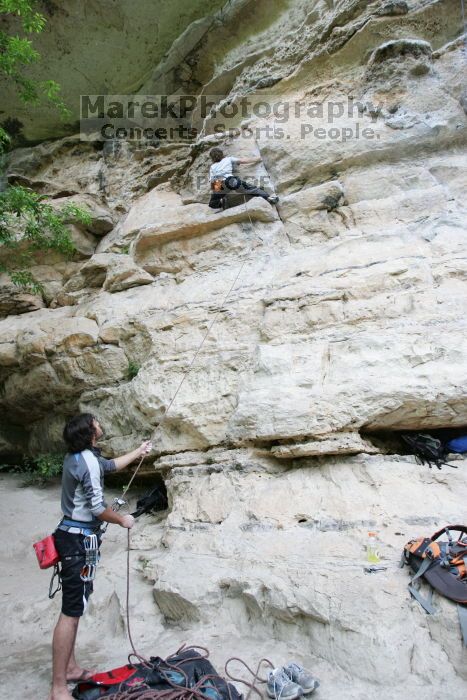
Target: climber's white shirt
<point x="224" y="168"/>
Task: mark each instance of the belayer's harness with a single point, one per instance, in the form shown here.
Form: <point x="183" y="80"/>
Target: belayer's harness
<point x="443" y="565"/>
<point x="91" y="550"/>
<point x="48" y="556"/>
<point x="78" y="527"/>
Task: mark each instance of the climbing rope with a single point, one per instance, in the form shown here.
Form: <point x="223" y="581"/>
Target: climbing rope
<point x="465" y="26"/>
<point x="190" y="366"/>
<point x="256" y="677"/>
<point x="183" y="691"/>
<point x="185" y="375"/>
<point x="140" y="658"/>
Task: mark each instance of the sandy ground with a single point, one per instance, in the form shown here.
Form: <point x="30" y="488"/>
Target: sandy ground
<point x="28" y="616"/>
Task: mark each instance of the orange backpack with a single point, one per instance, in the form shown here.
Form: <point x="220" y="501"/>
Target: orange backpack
<point x="443" y="565"/>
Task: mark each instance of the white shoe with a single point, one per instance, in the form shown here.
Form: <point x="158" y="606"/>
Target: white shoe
<point x="304" y="678"/>
<point x="280" y="687"/>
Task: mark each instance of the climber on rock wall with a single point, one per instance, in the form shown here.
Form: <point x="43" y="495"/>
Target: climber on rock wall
<point x="223" y="181"/>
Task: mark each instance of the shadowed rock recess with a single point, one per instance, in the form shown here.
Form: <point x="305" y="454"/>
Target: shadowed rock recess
<point x="348" y="319"/>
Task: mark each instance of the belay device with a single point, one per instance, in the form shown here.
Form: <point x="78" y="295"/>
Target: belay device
<point x="443" y="565"/>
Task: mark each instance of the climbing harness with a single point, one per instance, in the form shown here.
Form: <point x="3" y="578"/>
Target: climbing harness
<point x="216" y="185"/>
<point x="91" y="543"/>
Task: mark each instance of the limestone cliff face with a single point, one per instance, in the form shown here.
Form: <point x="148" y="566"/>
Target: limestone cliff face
<point x="101" y="47"/>
<point x="347" y="319"/>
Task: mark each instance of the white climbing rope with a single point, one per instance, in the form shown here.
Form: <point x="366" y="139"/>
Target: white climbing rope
<point x="208" y="331"/>
<point x="185" y="375"/>
<point x="465" y="27"/>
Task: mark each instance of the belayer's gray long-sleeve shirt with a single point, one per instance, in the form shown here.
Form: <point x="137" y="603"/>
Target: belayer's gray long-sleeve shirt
<point x="83" y="485"/>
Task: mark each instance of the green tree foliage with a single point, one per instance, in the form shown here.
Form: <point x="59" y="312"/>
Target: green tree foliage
<point x="37" y="471"/>
<point x="28" y="223"/>
<point x="18" y="52"/>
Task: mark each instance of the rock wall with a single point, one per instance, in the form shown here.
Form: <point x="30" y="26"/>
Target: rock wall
<point x="98" y="47"/>
<point x="346" y="320"/>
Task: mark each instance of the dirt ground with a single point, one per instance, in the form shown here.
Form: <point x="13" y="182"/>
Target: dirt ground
<point x="28" y="616"/>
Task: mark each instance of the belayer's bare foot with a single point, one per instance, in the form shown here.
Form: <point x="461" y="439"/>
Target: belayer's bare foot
<point x="60" y="694"/>
<point x="78" y="675"/>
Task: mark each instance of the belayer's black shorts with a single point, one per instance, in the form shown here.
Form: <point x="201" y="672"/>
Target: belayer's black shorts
<point x="75" y="592"/>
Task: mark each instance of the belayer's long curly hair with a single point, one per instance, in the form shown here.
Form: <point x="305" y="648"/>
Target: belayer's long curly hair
<point x="79" y="432"/>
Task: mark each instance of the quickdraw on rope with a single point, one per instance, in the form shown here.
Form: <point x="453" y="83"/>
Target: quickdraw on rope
<point x="91" y="558"/>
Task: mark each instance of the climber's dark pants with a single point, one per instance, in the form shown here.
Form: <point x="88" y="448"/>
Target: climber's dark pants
<point x="234" y="186"/>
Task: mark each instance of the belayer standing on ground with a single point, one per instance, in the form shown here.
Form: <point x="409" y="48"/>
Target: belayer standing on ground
<point x="84" y="511"/>
<point x="223" y="181"/>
